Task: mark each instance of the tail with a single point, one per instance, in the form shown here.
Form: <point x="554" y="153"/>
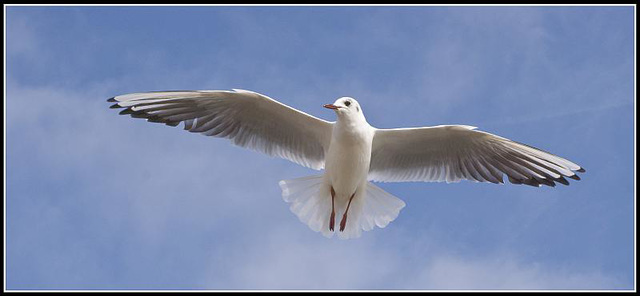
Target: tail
<point x="310" y="200"/>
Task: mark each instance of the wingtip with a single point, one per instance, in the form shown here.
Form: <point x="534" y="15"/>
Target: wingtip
<point x="575" y="177"/>
<point x="531" y="182"/>
<point x="126" y="111"/>
<point x="547" y="182"/>
<point x="562" y="180"/>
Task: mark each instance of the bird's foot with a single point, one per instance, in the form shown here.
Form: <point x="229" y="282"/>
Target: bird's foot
<point x="332" y="221"/>
<point x="343" y="223"/>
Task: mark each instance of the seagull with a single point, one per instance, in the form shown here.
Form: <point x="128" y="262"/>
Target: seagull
<point x="352" y="153"/>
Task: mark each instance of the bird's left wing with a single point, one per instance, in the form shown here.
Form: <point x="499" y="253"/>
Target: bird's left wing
<point x="454" y="152"/>
<point x="246" y="118"/>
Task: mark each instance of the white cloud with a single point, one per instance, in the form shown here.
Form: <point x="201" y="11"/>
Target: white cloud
<point x="506" y="272"/>
<point x="279" y="259"/>
<point x="290" y="258"/>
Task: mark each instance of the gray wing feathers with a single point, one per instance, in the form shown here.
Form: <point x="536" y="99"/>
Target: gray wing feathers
<point x="246" y="118"/>
<point x="454" y="152"/>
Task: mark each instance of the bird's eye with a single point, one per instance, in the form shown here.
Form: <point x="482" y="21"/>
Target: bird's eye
<point x="347" y="103"/>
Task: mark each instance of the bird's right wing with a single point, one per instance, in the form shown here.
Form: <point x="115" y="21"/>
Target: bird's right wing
<point x="246" y="118"/>
<point x="455" y="152"/>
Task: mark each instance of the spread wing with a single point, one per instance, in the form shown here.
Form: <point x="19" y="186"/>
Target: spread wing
<point x="454" y="152"/>
<point x="246" y="118"/>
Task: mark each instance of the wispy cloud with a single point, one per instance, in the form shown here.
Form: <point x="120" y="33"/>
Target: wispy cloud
<point x="279" y="261"/>
<point x="505" y="272"/>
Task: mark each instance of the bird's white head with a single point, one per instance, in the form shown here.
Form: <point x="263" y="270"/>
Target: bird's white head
<point x="346" y="108"/>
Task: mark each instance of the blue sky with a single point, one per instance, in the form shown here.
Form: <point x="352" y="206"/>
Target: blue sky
<point x="100" y="201"/>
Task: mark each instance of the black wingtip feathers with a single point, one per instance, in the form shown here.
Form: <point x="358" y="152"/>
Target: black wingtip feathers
<point x="126" y="111"/>
<point x="575" y="177"/>
<point x="562" y="180"/>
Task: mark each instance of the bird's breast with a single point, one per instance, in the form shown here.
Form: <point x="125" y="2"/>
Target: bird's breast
<point x="347" y="162"/>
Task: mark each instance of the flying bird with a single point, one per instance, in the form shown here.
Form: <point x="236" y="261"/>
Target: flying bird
<point x="352" y="153"/>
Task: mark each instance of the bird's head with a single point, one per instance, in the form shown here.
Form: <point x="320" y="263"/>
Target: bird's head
<point x="346" y="107"/>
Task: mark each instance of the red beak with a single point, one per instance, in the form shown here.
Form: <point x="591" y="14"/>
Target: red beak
<point x="331" y="106"/>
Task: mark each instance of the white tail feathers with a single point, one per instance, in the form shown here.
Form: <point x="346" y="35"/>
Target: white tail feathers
<point x="304" y="195"/>
<point x="310" y="200"/>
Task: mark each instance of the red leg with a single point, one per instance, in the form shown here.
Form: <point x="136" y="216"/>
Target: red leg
<point x="332" y="219"/>
<point x="343" y="223"/>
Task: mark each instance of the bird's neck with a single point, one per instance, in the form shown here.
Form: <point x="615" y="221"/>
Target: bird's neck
<point x="352" y="121"/>
<point x="352" y="127"/>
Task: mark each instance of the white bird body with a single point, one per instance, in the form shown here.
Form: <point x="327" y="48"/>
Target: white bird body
<point x="351" y="152"/>
<point x="347" y="166"/>
<point x="347" y="161"/>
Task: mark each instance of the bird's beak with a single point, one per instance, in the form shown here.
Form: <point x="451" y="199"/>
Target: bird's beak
<point x="331" y="106"/>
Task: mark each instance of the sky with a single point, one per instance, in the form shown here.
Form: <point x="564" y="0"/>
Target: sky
<point x="95" y="200"/>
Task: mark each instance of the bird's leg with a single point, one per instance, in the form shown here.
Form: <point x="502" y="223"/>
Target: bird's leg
<point x="332" y="219"/>
<point x="343" y="223"/>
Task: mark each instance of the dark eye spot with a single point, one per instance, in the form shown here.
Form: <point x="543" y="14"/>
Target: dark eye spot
<point x="347" y="103"/>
